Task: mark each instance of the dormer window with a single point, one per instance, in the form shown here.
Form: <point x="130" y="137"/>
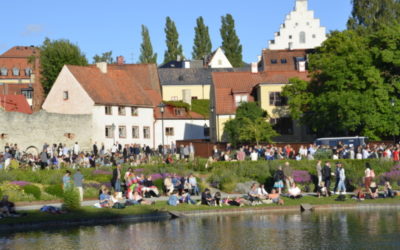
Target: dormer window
<point x="3" y="71"/>
<point x="28" y="72"/>
<point x="15" y="71"/>
<point x="239" y="99"/>
<point x="179" y="111"/>
<point x="274" y="61"/>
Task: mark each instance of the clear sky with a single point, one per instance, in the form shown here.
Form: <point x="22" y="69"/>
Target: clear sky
<point x="102" y="25"/>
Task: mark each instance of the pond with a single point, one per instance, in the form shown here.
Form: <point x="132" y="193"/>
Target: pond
<point x="378" y="229"/>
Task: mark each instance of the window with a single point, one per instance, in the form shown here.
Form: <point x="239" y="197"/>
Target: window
<point x="290" y="37"/>
<point x="28" y="93"/>
<point x="169" y="131"/>
<point x="28" y="72"/>
<point x="109" y="132"/>
<point x="302" y="37"/>
<point x="275" y="99"/>
<point x="283" y="61"/>
<point x="121" y="110"/>
<point x="122" y="132"/>
<point x="135" y="132"/>
<point x="283" y="126"/>
<point x="274" y="61"/>
<point x="65" y="95"/>
<point x="108" y="110"/>
<point x="146" y="132"/>
<point x="194" y="97"/>
<point x="179" y="111"/>
<point x="3" y="71"/>
<point x="239" y="99"/>
<point x="314" y="36"/>
<point x="15" y="71"/>
<point x="219" y="62"/>
<point x="134" y="111"/>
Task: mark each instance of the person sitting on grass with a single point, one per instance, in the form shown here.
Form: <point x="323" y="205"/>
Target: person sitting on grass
<point x="136" y="199"/>
<point x="276" y="197"/>
<point x="206" y="198"/>
<point x="253" y="195"/>
<point x="373" y="190"/>
<point x="294" y="192"/>
<point x="239" y="202"/>
<point x="173" y="199"/>
<point x="359" y="194"/>
<point x="169" y="187"/>
<point x="149" y="189"/>
<point x="7" y="208"/>
<point x="185" y="198"/>
<point x="263" y="194"/>
<point x="387" y="190"/>
<point x="105" y="198"/>
<point x="322" y="190"/>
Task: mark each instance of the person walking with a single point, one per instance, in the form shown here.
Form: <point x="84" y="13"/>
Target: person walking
<point x="326" y="175"/>
<point x="191" y="152"/>
<point x="78" y="182"/>
<point x="67" y="180"/>
<point x="319" y="172"/>
<point x="337" y="178"/>
<point x="342" y="179"/>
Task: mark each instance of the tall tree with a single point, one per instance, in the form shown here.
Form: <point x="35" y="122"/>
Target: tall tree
<point x="174" y="48"/>
<point x="355" y="86"/>
<point x="230" y="41"/>
<point x="202" y="42"/>
<point x="54" y="55"/>
<point x="249" y="126"/>
<point x="105" y="57"/>
<point x="372" y="13"/>
<point x="146" y="49"/>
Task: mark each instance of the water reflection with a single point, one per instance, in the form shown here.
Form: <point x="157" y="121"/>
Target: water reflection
<point x="319" y="230"/>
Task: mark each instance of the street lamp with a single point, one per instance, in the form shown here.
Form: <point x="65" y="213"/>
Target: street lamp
<point x="162" y="110"/>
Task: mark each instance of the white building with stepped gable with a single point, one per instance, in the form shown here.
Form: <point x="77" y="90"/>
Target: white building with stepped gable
<point x="300" y="30"/>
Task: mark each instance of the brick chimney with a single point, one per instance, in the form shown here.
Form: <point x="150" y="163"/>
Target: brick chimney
<point x="120" y="60"/>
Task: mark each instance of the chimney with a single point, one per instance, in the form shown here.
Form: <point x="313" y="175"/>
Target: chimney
<point x="290" y="46"/>
<point x="186" y="64"/>
<point x="254" y="67"/>
<point x="102" y="67"/>
<point x="120" y="60"/>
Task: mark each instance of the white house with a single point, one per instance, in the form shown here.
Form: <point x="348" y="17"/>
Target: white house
<point x="300" y="30"/>
<point x="218" y="59"/>
<point x="120" y="99"/>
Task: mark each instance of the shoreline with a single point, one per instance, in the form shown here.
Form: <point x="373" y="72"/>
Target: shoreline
<point x="9" y="228"/>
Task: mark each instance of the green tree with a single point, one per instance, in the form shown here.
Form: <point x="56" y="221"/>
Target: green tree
<point x="105" y="57"/>
<point x="250" y="125"/>
<point x="202" y="42"/>
<point x="354" y="88"/>
<point x="54" y="55"/>
<point x="230" y="41"/>
<point x="146" y="49"/>
<point x="372" y="13"/>
<point x="174" y="48"/>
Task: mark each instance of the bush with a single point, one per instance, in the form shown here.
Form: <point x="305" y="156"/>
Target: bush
<point x="55" y="190"/>
<point x="71" y="199"/>
<point x="33" y="190"/>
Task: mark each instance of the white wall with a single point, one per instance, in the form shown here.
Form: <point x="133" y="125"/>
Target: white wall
<point x="219" y="60"/>
<point x="299" y="20"/>
<point x="101" y="120"/>
<point x="183" y="130"/>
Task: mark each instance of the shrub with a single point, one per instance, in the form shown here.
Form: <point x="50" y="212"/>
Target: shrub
<point x="159" y="183"/>
<point x="33" y="190"/>
<point x="55" y="190"/>
<point x="301" y="176"/>
<point x="71" y="199"/>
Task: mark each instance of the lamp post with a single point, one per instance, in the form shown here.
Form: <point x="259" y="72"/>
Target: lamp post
<point x="162" y="110"/>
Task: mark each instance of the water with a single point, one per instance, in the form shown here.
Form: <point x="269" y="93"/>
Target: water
<point x="379" y="229"/>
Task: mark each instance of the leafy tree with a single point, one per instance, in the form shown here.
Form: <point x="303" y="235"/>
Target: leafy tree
<point x="54" y="55"/>
<point x="372" y="13"/>
<point x="250" y="125"/>
<point x="174" y="48"/>
<point x="355" y="85"/>
<point x="105" y="57"/>
<point x="230" y="41"/>
<point x="146" y="49"/>
<point x="202" y="42"/>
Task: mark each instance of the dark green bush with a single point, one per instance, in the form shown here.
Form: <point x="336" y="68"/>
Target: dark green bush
<point x="33" y="190"/>
<point x="55" y="190"/>
<point x="71" y="199"/>
<point x="159" y="184"/>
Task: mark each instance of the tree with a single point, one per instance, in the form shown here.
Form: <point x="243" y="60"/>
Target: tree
<point x="54" y="55"/>
<point x="174" y="48"/>
<point x="372" y="13"/>
<point x="202" y="42"/>
<point x="230" y="41"/>
<point x="250" y="125"/>
<point x="354" y="88"/>
<point x="105" y="57"/>
<point x="146" y="49"/>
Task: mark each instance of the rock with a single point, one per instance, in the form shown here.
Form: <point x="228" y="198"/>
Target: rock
<point x="244" y="188"/>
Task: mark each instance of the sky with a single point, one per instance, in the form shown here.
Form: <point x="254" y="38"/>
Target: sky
<point x="97" y="26"/>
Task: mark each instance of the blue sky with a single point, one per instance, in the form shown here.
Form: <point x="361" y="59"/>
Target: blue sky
<point x="102" y="25"/>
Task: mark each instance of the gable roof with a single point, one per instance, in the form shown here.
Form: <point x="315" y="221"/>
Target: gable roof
<point x="15" y="103"/>
<point x="227" y="84"/>
<point x="125" y="85"/>
<point x="21" y="51"/>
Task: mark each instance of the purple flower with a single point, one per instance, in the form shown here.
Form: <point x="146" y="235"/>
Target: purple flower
<point x="20" y="183"/>
<point x="139" y="170"/>
<point x="301" y="176"/>
<point x="98" y="171"/>
<point x="156" y="176"/>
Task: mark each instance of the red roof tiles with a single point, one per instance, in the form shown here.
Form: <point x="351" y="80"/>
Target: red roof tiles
<point x="21" y="51"/>
<point x="282" y="60"/>
<point x="15" y="103"/>
<point x="170" y="113"/>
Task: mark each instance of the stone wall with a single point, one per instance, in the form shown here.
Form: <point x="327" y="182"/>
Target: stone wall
<point x="43" y="127"/>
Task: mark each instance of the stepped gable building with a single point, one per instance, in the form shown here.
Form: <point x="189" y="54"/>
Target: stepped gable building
<point x="300" y="30"/>
<point x="20" y="75"/>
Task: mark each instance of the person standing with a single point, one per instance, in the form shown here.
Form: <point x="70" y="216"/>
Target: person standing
<point x="191" y="152"/>
<point x="279" y="176"/>
<point x="326" y="175"/>
<point x="368" y="177"/>
<point x="67" y="180"/>
<point x="44" y="159"/>
<point x="342" y="179"/>
<point x="76" y="149"/>
<point x="116" y="179"/>
<point x="78" y="182"/>
<point x="337" y="178"/>
<point x="95" y="149"/>
<point x="319" y="172"/>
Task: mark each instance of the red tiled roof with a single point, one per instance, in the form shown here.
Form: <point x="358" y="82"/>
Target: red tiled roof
<point x="21" y="51"/>
<point x="15" y="103"/>
<point x="128" y="84"/>
<point x="279" y="55"/>
<point x="226" y="84"/>
<point x="169" y="113"/>
<point x="10" y="63"/>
